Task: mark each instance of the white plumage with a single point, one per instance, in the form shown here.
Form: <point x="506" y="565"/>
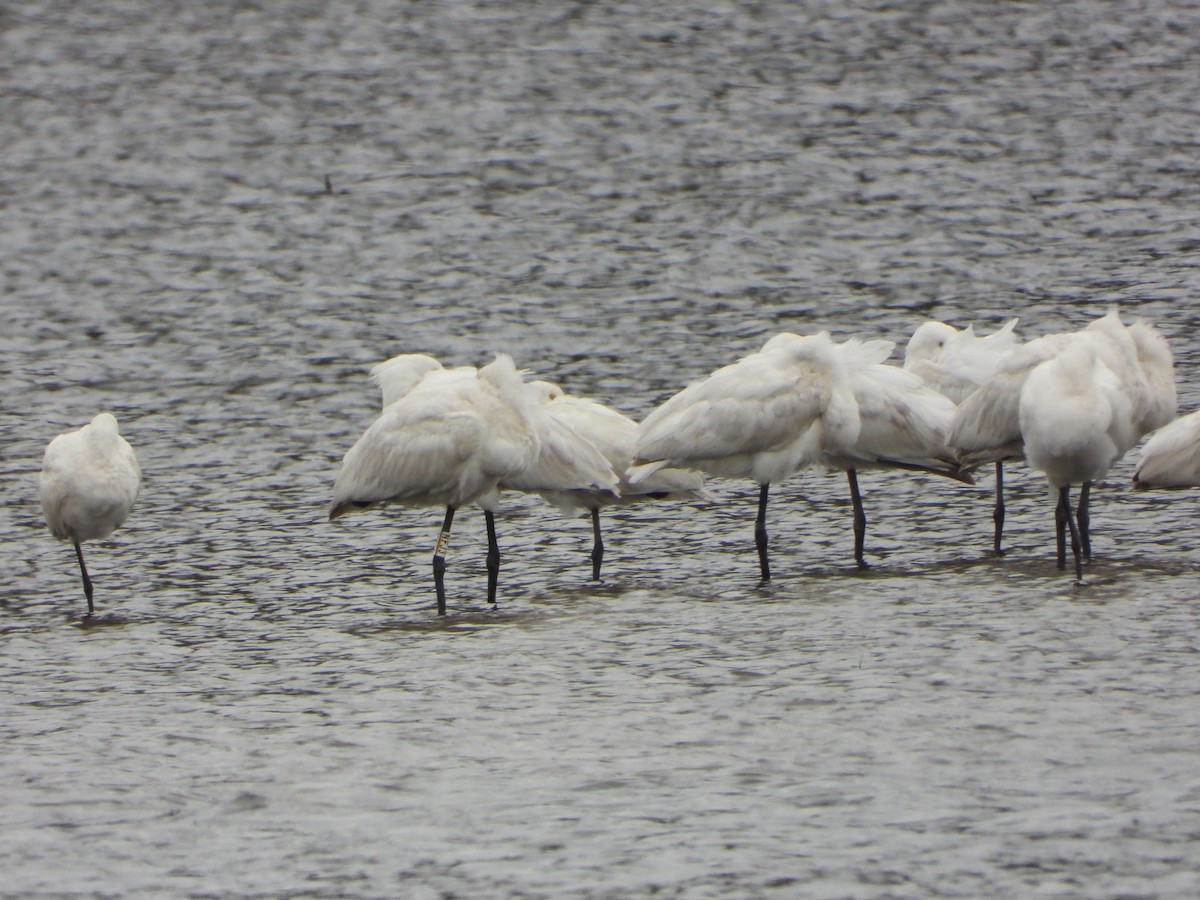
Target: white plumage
<point x="89" y="481"/>
<point x="763" y="417"/>
<point x="955" y="362"/>
<point x="987" y="426"/>
<point x="904" y="425"/>
<point x="613" y="435"/>
<point x="445" y="438"/>
<point x="396" y="377"/>
<point x="447" y="441"/>
<point x="1076" y="421"/>
<point x="1171" y="458"/>
<point x="449" y="437"/>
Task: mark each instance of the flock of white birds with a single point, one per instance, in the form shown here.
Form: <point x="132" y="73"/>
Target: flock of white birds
<point x="1070" y="404"/>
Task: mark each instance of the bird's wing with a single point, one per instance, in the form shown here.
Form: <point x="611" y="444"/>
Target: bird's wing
<point x="611" y="432"/>
<point x="752" y="406"/>
<point x="565" y="461"/>
<point x="903" y="422"/>
<point x="860" y="354"/>
<point x="1171" y="457"/>
<point x="415" y="452"/>
<point x="54" y="481"/>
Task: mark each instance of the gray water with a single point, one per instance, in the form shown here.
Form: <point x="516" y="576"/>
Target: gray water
<point x="624" y="196"/>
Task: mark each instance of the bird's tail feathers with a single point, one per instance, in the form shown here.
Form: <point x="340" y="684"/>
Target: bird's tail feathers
<point x="640" y="470"/>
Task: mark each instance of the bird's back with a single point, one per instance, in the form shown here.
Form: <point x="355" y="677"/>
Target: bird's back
<point x="614" y="435"/>
<point x="1074" y="416"/>
<point x="1171" y="458"/>
<point x="397" y="376"/>
<point x="89" y="481"/>
<point x="904" y="423"/>
<point x="565" y="460"/>
<point x="761" y="410"/>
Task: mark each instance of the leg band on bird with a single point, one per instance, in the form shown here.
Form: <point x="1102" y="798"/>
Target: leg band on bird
<point x="439" y="561"/>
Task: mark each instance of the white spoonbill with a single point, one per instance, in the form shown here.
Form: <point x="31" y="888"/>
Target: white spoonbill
<point x="445" y="441"/>
<point x="1140" y="358"/>
<point x="567" y="469"/>
<point x="1076" y="420"/>
<point x="448" y="437"/>
<point x="613" y="434"/>
<point x="89" y="482"/>
<point x="904" y="426"/>
<point x="1171" y="458"/>
<point x="957" y="363"/>
<point x="762" y="417"/>
<point x="987" y="426"/>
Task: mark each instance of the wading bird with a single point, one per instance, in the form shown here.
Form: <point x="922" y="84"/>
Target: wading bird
<point x="89" y="482"/>
<point x="790" y="405"/>
<point x="613" y="434"/>
<point x="1076" y="421"/>
<point x="904" y="426"/>
<point x="449" y="437"/>
<point x="957" y="363"/>
<point x="987" y="426"/>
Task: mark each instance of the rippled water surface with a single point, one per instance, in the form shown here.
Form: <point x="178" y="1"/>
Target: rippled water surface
<point x="624" y="196"/>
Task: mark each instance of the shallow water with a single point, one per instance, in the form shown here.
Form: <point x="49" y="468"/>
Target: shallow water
<point x="624" y="196"/>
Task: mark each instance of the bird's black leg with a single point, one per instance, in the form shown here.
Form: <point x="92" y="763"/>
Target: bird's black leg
<point x="760" y="532"/>
<point x="493" y="555"/>
<point x="439" y="561"/>
<point x="860" y="519"/>
<point x="1085" y="519"/>
<point x="87" y="582"/>
<point x="597" y="544"/>
<point x="998" y="509"/>
<point x="1075" y="542"/>
<point x="1062" y="513"/>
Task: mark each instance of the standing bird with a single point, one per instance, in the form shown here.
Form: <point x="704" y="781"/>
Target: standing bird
<point x="1171" y="458"/>
<point x="987" y="426"/>
<point x="445" y="441"/>
<point x="613" y="435"/>
<point x="566" y="458"/>
<point x="449" y="437"/>
<point x="89" y="482"/>
<point x="957" y="363"/>
<point x="904" y="426"/>
<point x="1076" y="419"/>
<point x="763" y="417"/>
